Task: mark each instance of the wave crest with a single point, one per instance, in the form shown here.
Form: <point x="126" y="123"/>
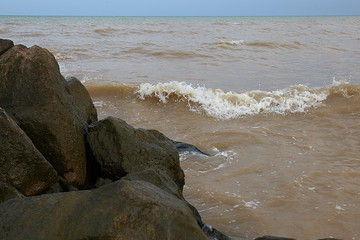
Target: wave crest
<point x="230" y="105"/>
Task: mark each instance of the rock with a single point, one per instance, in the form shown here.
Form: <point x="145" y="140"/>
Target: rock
<point x="209" y="231"/>
<point x="329" y="239"/>
<point x="8" y="192"/>
<point x="125" y="209"/>
<point x="82" y="99"/>
<point x="120" y="149"/>
<point x="56" y="188"/>
<point x="5" y="45"/>
<point x="161" y="180"/>
<point x="33" y="91"/>
<point x="157" y="178"/>
<point x="22" y="166"/>
<point x="186" y="147"/>
<point x="273" y="238"/>
<point x="101" y="182"/>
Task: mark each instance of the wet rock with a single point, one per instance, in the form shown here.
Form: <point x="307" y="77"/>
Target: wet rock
<point x="120" y="149"/>
<point x="273" y="238"/>
<point x="329" y="239"/>
<point x="5" y="45"/>
<point x="125" y="209"/>
<point x="186" y="147"/>
<point x="210" y="232"/>
<point x="22" y="167"/>
<point x="33" y="91"/>
<point x="82" y="99"/>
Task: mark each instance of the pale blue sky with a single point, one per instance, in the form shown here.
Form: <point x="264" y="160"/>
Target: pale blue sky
<point x="180" y="7"/>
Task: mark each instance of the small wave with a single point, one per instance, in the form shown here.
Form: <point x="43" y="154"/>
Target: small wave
<point x="166" y="53"/>
<point x="291" y="45"/>
<point x="106" y="31"/>
<point x="111" y="90"/>
<point x="294" y="44"/>
<point x="221" y="23"/>
<point x="231" y="105"/>
<point x="232" y="43"/>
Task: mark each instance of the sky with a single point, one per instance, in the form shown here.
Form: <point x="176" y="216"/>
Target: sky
<point x="180" y="7"/>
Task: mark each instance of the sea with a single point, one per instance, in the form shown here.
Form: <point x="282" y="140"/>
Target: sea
<point x="275" y="101"/>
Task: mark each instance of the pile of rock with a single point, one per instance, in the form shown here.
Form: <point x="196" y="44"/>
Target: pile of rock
<point x="66" y="175"/>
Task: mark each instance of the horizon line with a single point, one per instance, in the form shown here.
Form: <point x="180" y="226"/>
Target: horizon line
<point x="300" y="15"/>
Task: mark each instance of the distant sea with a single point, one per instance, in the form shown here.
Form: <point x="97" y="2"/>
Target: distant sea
<point x="275" y="100"/>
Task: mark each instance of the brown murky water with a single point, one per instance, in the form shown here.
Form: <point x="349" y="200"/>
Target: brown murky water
<point x="276" y="101"/>
<point x="291" y="174"/>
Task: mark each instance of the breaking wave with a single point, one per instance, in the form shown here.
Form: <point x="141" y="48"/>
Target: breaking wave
<point x="230" y="105"/>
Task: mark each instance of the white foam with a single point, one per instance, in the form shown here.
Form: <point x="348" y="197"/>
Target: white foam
<point x="251" y="204"/>
<point x="234" y="43"/>
<point x="99" y="103"/>
<point x="230" y="105"/>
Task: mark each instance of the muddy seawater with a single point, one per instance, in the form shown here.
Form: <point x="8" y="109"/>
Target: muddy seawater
<point x="275" y="101"/>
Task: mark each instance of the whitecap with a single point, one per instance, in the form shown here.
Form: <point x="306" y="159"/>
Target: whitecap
<point x="231" y="105"/>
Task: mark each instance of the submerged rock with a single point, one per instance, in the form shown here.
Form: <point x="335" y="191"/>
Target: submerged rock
<point x="120" y="149"/>
<point x="186" y="147"/>
<point x="34" y="92"/>
<point x="23" y="169"/>
<point x="125" y="209"/>
<point x="273" y="238"/>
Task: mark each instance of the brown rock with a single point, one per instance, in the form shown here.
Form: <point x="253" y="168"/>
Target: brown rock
<point x="34" y="92"/>
<point x="82" y="99"/>
<point x="126" y="209"/>
<point x="22" y="166"/>
<point x="120" y="149"/>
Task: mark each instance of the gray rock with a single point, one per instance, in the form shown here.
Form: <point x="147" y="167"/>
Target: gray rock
<point x="120" y="149"/>
<point x="22" y="166"/>
<point x="33" y="91"/>
<point x="273" y="238"/>
<point x="186" y="147"/>
<point x="125" y="209"/>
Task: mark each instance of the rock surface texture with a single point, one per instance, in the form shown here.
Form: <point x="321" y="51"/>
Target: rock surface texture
<point x="126" y="209"/>
<point x="82" y="99"/>
<point x="120" y="149"/>
<point x="23" y="169"/>
<point x="33" y="91"/>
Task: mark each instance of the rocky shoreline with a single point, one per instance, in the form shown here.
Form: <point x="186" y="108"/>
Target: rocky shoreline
<point x="64" y="174"/>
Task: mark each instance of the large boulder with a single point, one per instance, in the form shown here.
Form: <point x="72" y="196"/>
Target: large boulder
<point x="120" y="149"/>
<point x="34" y="92"/>
<point x="22" y="167"/>
<point x="125" y="209"/>
<point x="82" y="99"/>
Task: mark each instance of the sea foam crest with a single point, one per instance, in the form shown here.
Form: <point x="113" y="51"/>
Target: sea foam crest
<point x="230" y="105"/>
<point x="234" y="42"/>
